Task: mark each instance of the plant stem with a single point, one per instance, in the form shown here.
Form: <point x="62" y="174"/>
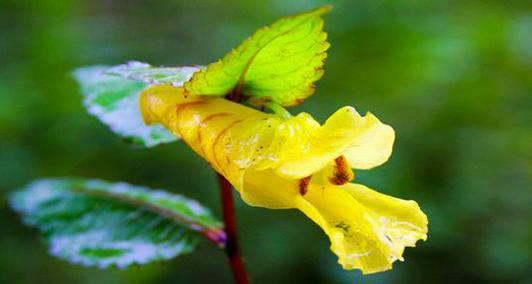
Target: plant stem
<point x="231" y="248"/>
<point x="279" y="110"/>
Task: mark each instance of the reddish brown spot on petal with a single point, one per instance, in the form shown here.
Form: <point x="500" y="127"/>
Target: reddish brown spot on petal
<point x="303" y="185"/>
<point x="342" y="172"/>
<point x="185" y="93"/>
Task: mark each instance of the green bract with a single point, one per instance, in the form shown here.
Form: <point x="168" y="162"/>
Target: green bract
<point x="112" y="93"/>
<point x="97" y="223"/>
<point x="278" y="63"/>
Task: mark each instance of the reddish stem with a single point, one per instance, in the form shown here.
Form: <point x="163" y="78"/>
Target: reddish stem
<point x="231" y="248"/>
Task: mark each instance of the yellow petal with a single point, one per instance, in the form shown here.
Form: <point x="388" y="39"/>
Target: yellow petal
<point x="364" y="141"/>
<point x="321" y="146"/>
<point x="402" y="221"/>
<point x="269" y="190"/>
<point x="373" y="143"/>
<point x="367" y="230"/>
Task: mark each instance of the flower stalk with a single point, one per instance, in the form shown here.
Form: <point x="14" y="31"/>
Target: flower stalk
<point x="231" y="248"/>
<point x="279" y="110"/>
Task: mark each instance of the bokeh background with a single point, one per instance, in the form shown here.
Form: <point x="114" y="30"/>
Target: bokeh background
<point x="454" y="78"/>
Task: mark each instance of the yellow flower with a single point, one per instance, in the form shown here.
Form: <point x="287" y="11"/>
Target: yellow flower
<point x="297" y="163"/>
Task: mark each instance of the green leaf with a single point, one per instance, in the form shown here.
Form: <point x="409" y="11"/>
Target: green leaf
<point x="278" y="63"/>
<point x="97" y="223"/>
<point x="112" y="95"/>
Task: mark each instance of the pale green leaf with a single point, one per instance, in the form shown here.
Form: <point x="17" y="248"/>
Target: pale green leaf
<point x="278" y="63"/>
<point x="112" y="95"/>
<point x="97" y="223"/>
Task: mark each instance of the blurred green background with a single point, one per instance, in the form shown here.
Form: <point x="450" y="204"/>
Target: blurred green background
<point x="454" y="78"/>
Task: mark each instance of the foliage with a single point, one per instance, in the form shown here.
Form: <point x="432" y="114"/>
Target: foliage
<point x="97" y="223"/>
<point x="277" y="63"/>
